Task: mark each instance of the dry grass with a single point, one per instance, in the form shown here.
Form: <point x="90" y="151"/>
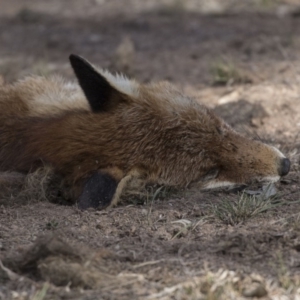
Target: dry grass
<point x="186" y="226"/>
<point x="227" y="73"/>
<point x="138" y="192"/>
<point x="233" y="212"/>
<point x="61" y="264"/>
<point x="225" y="284"/>
<point x="41" y="185"/>
<point x="41" y="294"/>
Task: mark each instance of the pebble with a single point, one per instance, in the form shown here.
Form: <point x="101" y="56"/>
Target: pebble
<point x="255" y="290"/>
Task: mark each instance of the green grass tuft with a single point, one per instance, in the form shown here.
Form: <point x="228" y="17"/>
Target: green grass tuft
<point x="233" y="212"/>
<point x="226" y="73"/>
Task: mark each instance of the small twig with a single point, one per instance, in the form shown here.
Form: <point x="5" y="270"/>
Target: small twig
<point x="10" y="274"/>
<point x="147" y="263"/>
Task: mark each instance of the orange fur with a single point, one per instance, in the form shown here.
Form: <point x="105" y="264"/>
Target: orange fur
<point x="152" y="131"/>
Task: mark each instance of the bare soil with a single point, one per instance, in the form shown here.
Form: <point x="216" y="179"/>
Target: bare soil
<point x="172" y="245"/>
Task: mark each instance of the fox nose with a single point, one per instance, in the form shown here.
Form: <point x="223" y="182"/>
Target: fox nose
<point x="284" y="168"/>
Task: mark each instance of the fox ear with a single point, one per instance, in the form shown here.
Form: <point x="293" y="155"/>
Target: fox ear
<point x="101" y="95"/>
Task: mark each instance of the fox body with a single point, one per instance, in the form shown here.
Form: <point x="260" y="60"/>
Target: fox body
<point x="107" y="130"/>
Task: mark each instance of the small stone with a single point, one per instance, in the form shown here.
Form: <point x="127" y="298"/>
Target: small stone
<point x="144" y="212"/>
<point x="255" y="290"/>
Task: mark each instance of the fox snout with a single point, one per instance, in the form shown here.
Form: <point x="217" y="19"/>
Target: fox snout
<point x="284" y="166"/>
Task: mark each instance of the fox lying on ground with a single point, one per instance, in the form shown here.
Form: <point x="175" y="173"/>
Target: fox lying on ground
<point x="108" y="130"/>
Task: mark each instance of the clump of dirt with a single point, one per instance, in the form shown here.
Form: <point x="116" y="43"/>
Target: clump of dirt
<point x="54" y="260"/>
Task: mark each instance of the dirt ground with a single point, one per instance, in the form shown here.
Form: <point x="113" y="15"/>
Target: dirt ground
<point x="243" y="60"/>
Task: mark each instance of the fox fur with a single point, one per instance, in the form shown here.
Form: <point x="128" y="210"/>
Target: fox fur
<point x="107" y="130"/>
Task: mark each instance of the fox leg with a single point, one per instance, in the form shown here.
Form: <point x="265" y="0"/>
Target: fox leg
<point x="104" y="188"/>
<point x="98" y="191"/>
<point x="122" y="184"/>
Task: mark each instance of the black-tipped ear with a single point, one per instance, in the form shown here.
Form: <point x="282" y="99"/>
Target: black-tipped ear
<point x="98" y="91"/>
<point x="98" y="191"/>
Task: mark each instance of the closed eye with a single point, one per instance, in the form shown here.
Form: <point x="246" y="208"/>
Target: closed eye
<point x="211" y="174"/>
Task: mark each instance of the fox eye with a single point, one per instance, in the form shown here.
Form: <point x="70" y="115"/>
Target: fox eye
<point x="212" y="174"/>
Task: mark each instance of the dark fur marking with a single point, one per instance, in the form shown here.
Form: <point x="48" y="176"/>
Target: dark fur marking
<point x="96" y="88"/>
<point x="220" y="131"/>
<point x="211" y="174"/>
<point x="98" y="191"/>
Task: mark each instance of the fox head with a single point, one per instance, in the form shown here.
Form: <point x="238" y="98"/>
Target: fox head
<point x="171" y="138"/>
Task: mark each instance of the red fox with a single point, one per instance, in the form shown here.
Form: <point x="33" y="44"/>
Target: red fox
<point x="107" y="130"/>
